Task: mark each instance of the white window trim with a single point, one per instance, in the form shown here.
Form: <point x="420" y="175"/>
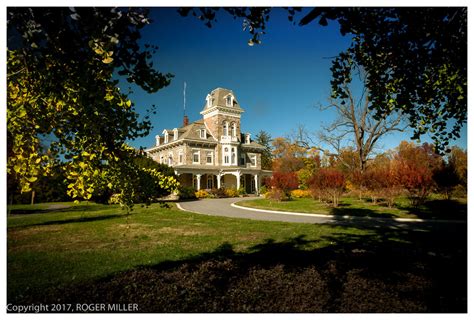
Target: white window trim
<point x="166" y="137"/>
<point x="175" y="134"/>
<point x="212" y="158"/>
<point x="170" y="157"/>
<point x="199" y="156"/>
<point x="180" y="157"/>
<point x="202" y="134"/>
<point x="253" y="156"/>
<point x="234" y="129"/>
<point x="226" y="128"/>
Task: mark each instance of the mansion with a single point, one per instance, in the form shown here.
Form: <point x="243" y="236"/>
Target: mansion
<point x="213" y="152"/>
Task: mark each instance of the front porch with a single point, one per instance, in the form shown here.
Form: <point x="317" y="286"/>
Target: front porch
<point x="250" y="181"/>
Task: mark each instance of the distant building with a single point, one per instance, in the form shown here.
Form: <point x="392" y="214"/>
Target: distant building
<point x="213" y="152"/>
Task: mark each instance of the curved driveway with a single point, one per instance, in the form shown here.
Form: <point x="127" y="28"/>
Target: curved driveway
<point x="226" y="208"/>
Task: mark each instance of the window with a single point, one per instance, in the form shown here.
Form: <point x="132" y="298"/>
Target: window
<point x="181" y="157"/>
<point x="233" y="157"/>
<point x="162" y="159"/>
<point x="242" y="159"/>
<point x="170" y="159"/>
<point x="228" y="101"/>
<point x="226" y="155"/>
<point x="209" y="157"/>
<point x="166" y="136"/>
<point x="196" y="156"/>
<point x="202" y="133"/>
<point x="234" y="129"/>
<point x="226" y="128"/>
<point x="175" y="134"/>
<point x="209" y="101"/>
<point x="253" y="160"/>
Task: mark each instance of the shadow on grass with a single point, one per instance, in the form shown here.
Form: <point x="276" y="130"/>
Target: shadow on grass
<point x="390" y="269"/>
<point x="440" y="209"/>
<point x="360" y="212"/>
<point x="77" y="220"/>
<point x="58" y="209"/>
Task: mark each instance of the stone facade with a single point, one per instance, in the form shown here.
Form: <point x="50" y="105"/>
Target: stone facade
<point x="213" y="152"/>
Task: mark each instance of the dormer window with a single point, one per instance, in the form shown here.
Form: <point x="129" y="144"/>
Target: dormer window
<point x="229" y="101"/>
<point x="166" y="136"/>
<point x="202" y="133"/>
<point x="209" y="101"/>
<point x="175" y="134"/>
<point x="157" y="138"/>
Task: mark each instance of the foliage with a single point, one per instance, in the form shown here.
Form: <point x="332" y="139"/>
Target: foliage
<point x="328" y="182"/>
<point x="383" y="182"/>
<point x="288" y="156"/>
<point x="231" y="193"/>
<point x="84" y="114"/>
<point x="265" y="139"/>
<point x="277" y="195"/>
<point x="284" y="182"/>
<point x="186" y="193"/>
<point x="202" y="194"/>
<point x="298" y="194"/>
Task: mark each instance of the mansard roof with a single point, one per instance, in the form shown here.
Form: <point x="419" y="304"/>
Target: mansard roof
<point x="219" y="96"/>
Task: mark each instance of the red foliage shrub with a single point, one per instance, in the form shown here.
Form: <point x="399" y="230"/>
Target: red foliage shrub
<point x="329" y="183"/>
<point x="284" y="182"/>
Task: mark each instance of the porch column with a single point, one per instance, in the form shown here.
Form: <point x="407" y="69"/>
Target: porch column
<point x="257" y="187"/>
<point x="198" y="182"/>
<point x="237" y="176"/>
<point x="218" y="180"/>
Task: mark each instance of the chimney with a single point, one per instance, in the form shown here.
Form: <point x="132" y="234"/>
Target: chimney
<point x="185" y="121"/>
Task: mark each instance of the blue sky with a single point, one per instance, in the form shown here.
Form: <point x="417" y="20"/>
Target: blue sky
<point x="279" y="83"/>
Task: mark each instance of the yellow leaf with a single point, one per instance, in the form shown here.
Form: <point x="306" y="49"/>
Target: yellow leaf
<point x="108" y="60"/>
<point x="17" y="168"/>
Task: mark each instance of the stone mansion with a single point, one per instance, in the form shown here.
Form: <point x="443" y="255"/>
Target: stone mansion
<point x="213" y="152"/>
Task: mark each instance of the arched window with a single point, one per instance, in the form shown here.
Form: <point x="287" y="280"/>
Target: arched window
<point x="226" y="128"/>
<point x="170" y="160"/>
<point x="234" y="129"/>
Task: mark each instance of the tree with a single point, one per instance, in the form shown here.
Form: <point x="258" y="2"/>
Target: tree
<point x="329" y="182"/>
<point x="288" y="156"/>
<point x="60" y="73"/>
<point x="414" y="166"/>
<point x="416" y="59"/>
<point x="265" y="139"/>
<point x="282" y="183"/>
<point x="356" y="122"/>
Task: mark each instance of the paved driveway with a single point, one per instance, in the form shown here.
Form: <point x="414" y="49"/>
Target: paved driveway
<point x="224" y="208"/>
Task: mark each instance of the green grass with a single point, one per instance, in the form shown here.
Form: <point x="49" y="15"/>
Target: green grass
<point x="432" y="209"/>
<point x="88" y="241"/>
<point x="167" y="260"/>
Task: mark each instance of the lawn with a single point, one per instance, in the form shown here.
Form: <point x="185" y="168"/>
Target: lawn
<point x="436" y="208"/>
<point x="166" y="260"/>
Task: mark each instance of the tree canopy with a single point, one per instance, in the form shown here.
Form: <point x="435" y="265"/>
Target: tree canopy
<point x="61" y="88"/>
<point x="416" y="59"/>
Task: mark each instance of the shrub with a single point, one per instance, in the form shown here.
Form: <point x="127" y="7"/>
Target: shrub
<point x="186" y="193"/>
<point x="298" y="194"/>
<point x="242" y="191"/>
<point x="277" y="194"/>
<point x="231" y="193"/>
<point x="329" y="183"/>
<point x="114" y="199"/>
<point x="202" y="194"/>
<point x="263" y="190"/>
<point x="284" y="181"/>
<point x="416" y="180"/>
